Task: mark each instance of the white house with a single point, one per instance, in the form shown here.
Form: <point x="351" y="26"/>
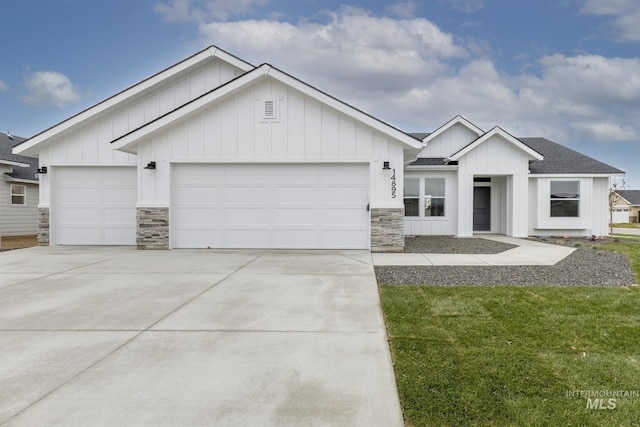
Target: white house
<point x="18" y="190"/>
<point x="214" y="152"/>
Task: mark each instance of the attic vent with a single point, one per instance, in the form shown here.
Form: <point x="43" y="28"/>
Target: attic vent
<point x="269" y="109"/>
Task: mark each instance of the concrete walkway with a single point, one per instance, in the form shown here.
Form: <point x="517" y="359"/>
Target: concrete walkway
<point x="528" y="252"/>
<point x="119" y="337"/>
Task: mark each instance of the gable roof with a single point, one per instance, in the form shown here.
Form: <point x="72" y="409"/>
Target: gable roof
<point x="631" y="196"/>
<point x="127" y="142"/>
<point x="532" y="153"/>
<point x="156" y="79"/>
<point x="24" y="167"/>
<point x="420" y="135"/>
<point x="559" y="159"/>
<point x="459" y="119"/>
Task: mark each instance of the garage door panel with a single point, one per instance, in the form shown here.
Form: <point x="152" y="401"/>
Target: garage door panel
<point x="78" y="215"/>
<point x="296" y="195"/>
<point x="197" y="195"/>
<point x="200" y="216"/>
<point x="251" y="216"/>
<point x="94" y="206"/>
<point x="271" y="206"/>
<point x="283" y="217"/>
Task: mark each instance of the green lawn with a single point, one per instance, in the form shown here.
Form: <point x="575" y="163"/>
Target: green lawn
<point x="515" y="356"/>
<point x="627" y="225"/>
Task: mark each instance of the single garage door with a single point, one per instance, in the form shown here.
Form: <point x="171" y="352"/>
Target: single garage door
<point x="620" y="216"/>
<point x="311" y="206"/>
<point x="94" y="206"/>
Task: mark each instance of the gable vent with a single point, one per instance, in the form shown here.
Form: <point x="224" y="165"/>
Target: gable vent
<point x="269" y="109"/>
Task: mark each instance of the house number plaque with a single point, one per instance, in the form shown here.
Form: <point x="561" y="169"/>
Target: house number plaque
<point x="393" y="184"/>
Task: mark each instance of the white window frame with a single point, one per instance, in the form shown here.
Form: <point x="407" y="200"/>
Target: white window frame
<point x="576" y="199"/>
<point x="422" y="197"/>
<point x="22" y="194"/>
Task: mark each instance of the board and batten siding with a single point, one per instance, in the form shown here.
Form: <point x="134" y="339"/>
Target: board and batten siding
<point x="89" y="143"/>
<point x="593" y="211"/>
<point x="234" y="130"/>
<point x="495" y="157"/>
<point x="449" y="142"/>
<point x="18" y="220"/>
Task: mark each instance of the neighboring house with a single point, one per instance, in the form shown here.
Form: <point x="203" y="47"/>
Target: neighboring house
<point x="18" y="190"/>
<point x="628" y="207"/>
<point x="214" y="152"/>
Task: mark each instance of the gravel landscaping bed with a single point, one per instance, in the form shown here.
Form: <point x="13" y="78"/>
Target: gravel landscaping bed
<point x="585" y="266"/>
<point x="453" y="245"/>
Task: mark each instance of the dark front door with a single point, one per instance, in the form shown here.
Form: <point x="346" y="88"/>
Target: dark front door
<point x="481" y="208"/>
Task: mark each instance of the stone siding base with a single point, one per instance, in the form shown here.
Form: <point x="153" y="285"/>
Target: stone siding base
<point x="387" y="230"/>
<point x="43" y="227"/>
<point x="152" y="230"/>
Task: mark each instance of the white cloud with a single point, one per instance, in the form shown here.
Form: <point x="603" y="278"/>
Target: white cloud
<point x="625" y="15"/>
<point x="202" y="10"/>
<point x="49" y="88"/>
<point x="410" y="73"/>
<point x="3" y="86"/>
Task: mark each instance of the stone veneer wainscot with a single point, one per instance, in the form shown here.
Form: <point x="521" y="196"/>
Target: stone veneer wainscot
<point x="152" y="230"/>
<point x="43" y="227"/>
<point x="387" y="230"/>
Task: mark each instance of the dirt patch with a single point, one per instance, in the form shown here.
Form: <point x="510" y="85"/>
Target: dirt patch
<point x="18" y="242"/>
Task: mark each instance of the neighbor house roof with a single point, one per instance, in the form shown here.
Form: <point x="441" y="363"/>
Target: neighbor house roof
<point x="631" y="196"/>
<point x="128" y="141"/>
<point x="24" y="167"/>
<point x="559" y="159"/>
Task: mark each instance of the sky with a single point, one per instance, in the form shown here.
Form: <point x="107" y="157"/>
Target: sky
<point x="566" y="70"/>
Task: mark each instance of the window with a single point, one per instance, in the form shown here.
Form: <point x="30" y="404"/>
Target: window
<point x="18" y="194"/>
<point x="565" y="199"/>
<point x="411" y="197"/>
<point x="434" y="197"/>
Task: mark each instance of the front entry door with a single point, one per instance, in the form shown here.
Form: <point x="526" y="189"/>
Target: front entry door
<point x="481" y="208"/>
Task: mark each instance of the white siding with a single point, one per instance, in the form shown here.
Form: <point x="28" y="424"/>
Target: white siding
<point x="233" y="130"/>
<point x="594" y="213"/>
<point x="449" y="142"/>
<point x="90" y="142"/>
<point x="18" y="220"/>
<point x="434" y="226"/>
<point x="495" y="157"/>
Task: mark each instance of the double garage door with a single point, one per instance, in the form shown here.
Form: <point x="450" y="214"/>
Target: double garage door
<point x="313" y="206"/>
<point x="270" y="206"/>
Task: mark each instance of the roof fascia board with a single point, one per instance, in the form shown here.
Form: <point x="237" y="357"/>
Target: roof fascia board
<point x="501" y="132"/>
<point x="12" y="163"/>
<point x="459" y="119"/>
<point x="21" y="180"/>
<point x="126" y="142"/>
<point x="131" y="91"/>
<point x="574" y="175"/>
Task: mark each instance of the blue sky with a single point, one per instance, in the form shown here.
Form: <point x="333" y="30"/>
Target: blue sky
<point x="567" y="70"/>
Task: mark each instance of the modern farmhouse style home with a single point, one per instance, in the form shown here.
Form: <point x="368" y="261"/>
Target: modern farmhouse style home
<point x="216" y="153"/>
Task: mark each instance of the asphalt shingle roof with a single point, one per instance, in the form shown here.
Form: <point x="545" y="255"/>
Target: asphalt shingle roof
<point x="632" y="196"/>
<point x="6" y="146"/>
<point x="559" y="159"/>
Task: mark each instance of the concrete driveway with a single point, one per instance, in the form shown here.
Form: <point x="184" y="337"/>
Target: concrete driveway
<point x="115" y="336"/>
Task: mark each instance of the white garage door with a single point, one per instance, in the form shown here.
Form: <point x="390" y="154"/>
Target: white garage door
<point x="308" y="206"/>
<point x="620" y="216"/>
<point x="94" y="206"/>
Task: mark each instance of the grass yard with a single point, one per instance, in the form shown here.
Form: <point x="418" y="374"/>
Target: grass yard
<point x="516" y="356"/>
<point x="627" y="225"/>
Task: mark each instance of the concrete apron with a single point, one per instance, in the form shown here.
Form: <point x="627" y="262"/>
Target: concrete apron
<point x="115" y="336"/>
